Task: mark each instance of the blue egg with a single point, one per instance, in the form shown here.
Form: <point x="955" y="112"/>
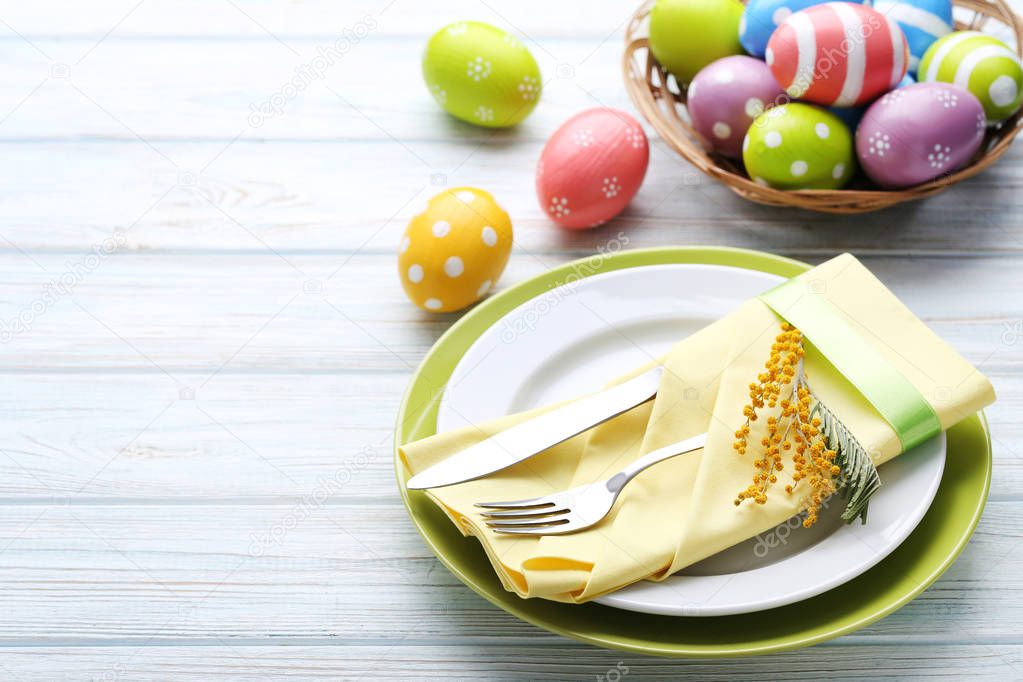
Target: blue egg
<point x="923" y="22"/>
<point x="850" y="115"/>
<point x="761" y="17"/>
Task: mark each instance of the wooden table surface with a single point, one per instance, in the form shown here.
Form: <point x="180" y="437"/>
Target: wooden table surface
<point x="204" y="343"/>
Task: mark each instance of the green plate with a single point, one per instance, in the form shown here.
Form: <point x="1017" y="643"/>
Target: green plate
<point x="904" y="574"/>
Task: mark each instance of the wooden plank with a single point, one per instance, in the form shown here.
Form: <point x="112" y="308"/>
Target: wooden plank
<point x="252" y="437"/>
<point x="166" y="574"/>
<point x="262" y="21"/>
<point x="536" y="21"/>
<point x="303" y="197"/>
<point x="545" y="658"/>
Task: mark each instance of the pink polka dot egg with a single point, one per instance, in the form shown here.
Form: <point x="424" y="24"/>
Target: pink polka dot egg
<point x="454" y="250"/>
<point x="591" y="168"/>
<point x="725" y="97"/>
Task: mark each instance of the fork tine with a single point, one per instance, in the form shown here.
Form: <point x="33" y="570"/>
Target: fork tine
<point x="517" y="504"/>
<point x="523" y="513"/>
<point x="546" y="521"/>
<point x="553" y="528"/>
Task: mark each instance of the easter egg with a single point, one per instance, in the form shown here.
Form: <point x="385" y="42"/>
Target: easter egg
<point x="725" y="97"/>
<point x="481" y="74"/>
<point x="917" y="133"/>
<point x="838" y="54"/>
<point x="906" y="80"/>
<point x="454" y="250"/>
<point x="686" y="35"/>
<point x="851" y="115"/>
<point x="762" y="17"/>
<point x="921" y="21"/>
<point x="799" y="146"/>
<point x="591" y="167"/>
<point x="981" y="64"/>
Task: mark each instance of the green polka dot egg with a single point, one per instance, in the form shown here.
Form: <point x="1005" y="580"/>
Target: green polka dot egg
<point x="481" y="74"/>
<point x="454" y="250"/>
<point x="799" y="146"/>
<point x="980" y="63"/>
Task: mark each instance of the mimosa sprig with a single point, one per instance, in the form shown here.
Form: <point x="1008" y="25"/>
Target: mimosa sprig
<point x="825" y="454"/>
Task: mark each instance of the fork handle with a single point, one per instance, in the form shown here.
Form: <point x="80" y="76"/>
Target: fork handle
<point x="618" y="481"/>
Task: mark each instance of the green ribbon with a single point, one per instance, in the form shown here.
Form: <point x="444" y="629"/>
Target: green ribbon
<point x="892" y="395"/>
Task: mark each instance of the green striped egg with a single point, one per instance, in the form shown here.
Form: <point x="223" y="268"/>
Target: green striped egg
<point x="980" y="63"/>
<point x="481" y="74"/>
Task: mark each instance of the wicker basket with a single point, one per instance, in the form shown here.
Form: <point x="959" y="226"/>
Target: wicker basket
<point x="661" y="99"/>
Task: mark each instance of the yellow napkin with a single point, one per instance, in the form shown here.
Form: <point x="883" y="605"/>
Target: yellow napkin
<point x="682" y="510"/>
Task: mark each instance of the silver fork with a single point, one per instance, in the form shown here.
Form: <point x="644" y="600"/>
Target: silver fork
<point x="576" y="508"/>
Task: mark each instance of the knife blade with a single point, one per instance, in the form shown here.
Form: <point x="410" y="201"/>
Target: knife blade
<point x="532" y="437"/>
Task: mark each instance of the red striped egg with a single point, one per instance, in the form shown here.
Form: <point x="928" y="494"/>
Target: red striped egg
<point x="838" y="54"/>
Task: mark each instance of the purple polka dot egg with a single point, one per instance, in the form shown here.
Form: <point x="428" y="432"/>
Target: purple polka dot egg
<point x="918" y="133"/>
<point x="725" y="97"/>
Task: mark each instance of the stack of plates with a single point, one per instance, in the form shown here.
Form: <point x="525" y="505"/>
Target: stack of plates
<point x="545" y="340"/>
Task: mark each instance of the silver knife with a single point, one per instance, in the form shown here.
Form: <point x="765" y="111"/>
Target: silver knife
<point x="532" y="437"/>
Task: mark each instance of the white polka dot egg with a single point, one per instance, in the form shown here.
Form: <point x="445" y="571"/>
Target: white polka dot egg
<point x="454" y="250"/>
<point x="799" y="146"/>
<point x="481" y="74"/>
<point x="726" y="96"/>
<point x="591" y="168"/>
<point x="918" y="133"/>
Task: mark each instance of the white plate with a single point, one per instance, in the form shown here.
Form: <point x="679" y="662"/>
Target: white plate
<point x="572" y="339"/>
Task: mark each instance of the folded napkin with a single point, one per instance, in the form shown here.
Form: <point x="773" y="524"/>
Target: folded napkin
<point x="683" y="510"/>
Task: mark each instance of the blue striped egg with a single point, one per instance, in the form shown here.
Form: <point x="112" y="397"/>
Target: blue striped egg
<point x="761" y="17"/>
<point x="923" y="22"/>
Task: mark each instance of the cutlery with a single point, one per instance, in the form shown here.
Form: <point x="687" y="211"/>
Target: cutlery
<point x="531" y="437"/>
<point x="579" y="507"/>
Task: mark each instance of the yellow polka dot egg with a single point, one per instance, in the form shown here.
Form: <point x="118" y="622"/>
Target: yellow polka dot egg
<point x="453" y="252"/>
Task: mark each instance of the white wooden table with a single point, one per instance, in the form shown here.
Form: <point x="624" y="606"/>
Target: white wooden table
<point x="205" y="343"/>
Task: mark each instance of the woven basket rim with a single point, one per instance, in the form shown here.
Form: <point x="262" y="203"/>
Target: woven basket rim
<point x="650" y="88"/>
